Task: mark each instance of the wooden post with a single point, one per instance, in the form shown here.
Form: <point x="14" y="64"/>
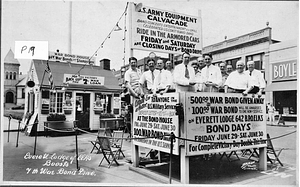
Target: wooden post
<point x="184" y="167"/>
<point x="17" y="144"/>
<point x="76" y="142"/>
<point x="134" y="148"/>
<point x="263" y="158"/>
<point x="184" y="160"/>
<point x="9" y="118"/>
<point x="35" y="139"/>
<point x="171" y="153"/>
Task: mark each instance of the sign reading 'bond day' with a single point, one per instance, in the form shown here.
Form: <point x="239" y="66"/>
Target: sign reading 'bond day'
<point x="164" y="31"/>
<point x="155" y="116"/>
<point x="224" y="118"/>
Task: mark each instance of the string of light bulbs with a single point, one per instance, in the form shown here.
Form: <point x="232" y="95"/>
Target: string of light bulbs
<point x="124" y="39"/>
<point x="108" y="36"/>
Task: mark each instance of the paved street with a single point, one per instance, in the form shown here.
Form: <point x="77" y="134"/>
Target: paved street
<point x="18" y="166"/>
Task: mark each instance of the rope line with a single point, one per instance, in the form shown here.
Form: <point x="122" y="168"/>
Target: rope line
<point x="120" y="137"/>
<point x="235" y="142"/>
<point x="161" y="136"/>
<point x="57" y="130"/>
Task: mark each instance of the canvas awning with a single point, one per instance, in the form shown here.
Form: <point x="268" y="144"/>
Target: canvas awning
<point x="282" y="86"/>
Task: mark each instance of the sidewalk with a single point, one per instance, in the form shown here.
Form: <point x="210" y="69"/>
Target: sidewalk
<point x="215" y="171"/>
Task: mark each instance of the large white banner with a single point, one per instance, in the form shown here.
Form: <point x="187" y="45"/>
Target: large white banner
<point x="220" y="118"/>
<point x="155" y="116"/>
<point x="165" y="31"/>
<point x="65" y="57"/>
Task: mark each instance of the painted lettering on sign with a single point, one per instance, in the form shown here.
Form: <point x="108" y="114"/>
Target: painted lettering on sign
<point x="221" y="122"/>
<point x="284" y="70"/>
<point x="83" y="79"/>
<point x="165" y="31"/>
<point x="154" y="120"/>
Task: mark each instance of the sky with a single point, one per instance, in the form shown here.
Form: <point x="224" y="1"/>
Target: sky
<point x="92" y="21"/>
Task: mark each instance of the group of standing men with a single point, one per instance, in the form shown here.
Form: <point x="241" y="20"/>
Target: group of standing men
<point x="201" y="76"/>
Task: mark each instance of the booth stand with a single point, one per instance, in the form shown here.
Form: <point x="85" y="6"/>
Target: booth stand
<point x="201" y="123"/>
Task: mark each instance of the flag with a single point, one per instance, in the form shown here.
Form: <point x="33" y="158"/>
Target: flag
<point x="50" y="78"/>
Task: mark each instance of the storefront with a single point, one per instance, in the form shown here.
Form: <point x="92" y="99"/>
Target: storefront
<point x="282" y="78"/>
<point x="81" y="93"/>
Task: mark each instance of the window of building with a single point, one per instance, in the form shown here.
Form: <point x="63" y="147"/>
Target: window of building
<point x="286" y="102"/>
<point x="15" y="76"/>
<point x="258" y="60"/>
<point x="45" y="101"/>
<point x="10" y="75"/>
<point x="56" y="101"/>
<point x="233" y="62"/>
<point x="6" y="75"/>
<point x="23" y="93"/>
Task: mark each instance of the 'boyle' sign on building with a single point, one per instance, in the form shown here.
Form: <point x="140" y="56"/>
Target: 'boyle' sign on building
<point x="284" y="70"/>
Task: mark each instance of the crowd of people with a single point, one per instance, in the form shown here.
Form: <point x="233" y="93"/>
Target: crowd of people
<point x="198" y="76"/>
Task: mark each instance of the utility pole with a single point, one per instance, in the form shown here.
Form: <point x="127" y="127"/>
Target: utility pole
<point x="70" y="28"/>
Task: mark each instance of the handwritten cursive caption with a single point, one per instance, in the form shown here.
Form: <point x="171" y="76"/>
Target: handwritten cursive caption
<point x="59" y="162"/>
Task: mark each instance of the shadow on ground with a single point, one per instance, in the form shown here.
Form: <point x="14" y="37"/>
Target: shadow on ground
<point x="213" y="171"/>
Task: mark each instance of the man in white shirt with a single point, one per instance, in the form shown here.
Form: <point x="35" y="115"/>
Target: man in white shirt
<point x="238" y="81"/>
<point x="170" y="68"/>
<point x="211" y="75"/>
<point x="224" y="76"/>
<point x="132" y="77"/>
<point x="257" y="79"/>
<point x="147" y="78"/>
<point x="199" y="82"/>
<point x="184" y="75"/>
<point x="163" y="80"/>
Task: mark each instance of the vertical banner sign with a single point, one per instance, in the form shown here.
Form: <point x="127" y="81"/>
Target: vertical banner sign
<point x="155" y="116"/>
<point x="216" y="119"/>
<point x="165" y="31"/>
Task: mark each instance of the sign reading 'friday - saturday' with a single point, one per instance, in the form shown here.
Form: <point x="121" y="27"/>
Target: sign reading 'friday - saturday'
<point x="164" y="31"/>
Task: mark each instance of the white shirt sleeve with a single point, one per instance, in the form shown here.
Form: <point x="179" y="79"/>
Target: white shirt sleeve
<point x="179" y="77"/>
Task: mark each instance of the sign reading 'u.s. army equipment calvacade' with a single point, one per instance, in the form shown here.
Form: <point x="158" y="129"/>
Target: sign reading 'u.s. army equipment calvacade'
<point x="165" y="31"/>
<point x="220" y="122"/>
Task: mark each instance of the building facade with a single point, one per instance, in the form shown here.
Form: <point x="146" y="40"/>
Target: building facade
<point x="81" y="92"/>
<point x="252" y="46"/>
<point x="11" y="78"/>
<point x="282" y="77"/>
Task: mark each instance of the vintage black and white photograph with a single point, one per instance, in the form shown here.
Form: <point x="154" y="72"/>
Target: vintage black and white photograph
<point x="149" y="93"/>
